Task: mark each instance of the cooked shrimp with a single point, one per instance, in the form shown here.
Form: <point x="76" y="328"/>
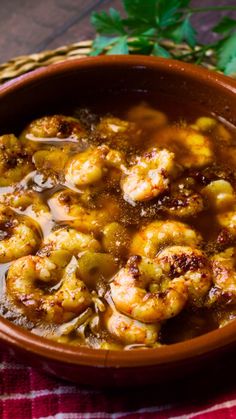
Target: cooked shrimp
<point x="149" y="176"/>
<point x="154" y="236"/>
<point x="224" y="276"/>
<point x="15" y="163"/>
<point x="54" y="127"/>
<point x="141" y="291"/>
<point x="189" y="264"/>
<point x="221" y="197"/>
<point x="51" y="163"/>
<point x="61" y="296"/>
<point x="71" y="240"/>
<point x="20" y="235"/>
<point x="30" y="203"/>
<point x="118" y="133"/>
<point x="69" y="207"/>
<point x="22" y="199"/>
<point x="147" y="117"/>
<point x="90" y="166"/>
<point x="130" y="331"/>
<point x="191" y="148"/>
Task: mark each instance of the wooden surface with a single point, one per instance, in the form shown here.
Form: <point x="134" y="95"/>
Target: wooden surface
<point x="28" y="26"/>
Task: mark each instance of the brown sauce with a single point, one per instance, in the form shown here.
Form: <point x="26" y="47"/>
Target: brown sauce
<point x="50" y="185"/>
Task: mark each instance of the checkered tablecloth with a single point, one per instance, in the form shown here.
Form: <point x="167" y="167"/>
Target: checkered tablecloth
<point x="29" y="393"/>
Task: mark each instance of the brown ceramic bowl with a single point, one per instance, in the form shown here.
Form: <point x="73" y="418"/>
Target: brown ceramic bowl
<point x="41" y="91"/>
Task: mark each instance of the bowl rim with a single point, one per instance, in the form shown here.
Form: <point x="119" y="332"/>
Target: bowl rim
<point x="24" y="340"/>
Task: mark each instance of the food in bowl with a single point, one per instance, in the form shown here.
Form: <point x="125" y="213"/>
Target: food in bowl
<point x="118" y="226"/>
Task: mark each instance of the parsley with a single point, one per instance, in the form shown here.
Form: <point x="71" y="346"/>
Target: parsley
<point x="148" y="24"/>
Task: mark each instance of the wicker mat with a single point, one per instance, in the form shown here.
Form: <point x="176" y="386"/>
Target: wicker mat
<point x="23" y="64"/>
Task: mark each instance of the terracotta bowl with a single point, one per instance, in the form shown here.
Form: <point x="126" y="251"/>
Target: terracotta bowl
<point x="41" y="91"/>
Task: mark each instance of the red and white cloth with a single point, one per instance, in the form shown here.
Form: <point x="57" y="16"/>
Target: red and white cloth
<point x="27" y="393"/>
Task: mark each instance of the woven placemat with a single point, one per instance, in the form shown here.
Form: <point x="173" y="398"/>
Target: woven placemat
<point x="23" y="64"/>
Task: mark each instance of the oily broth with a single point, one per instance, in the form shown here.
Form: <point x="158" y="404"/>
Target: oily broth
<point x="190" y="322"/>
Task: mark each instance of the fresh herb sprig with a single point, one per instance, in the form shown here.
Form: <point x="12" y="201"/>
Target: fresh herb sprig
<point x="149" y="23"/>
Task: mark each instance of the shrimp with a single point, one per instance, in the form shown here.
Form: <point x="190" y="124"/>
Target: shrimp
<point x="118" y="133"/>
<point x="191" y="148"/>
<point x="147" y="117"/>
<point x="48" y="288"/>
<point x="91" y="165"/>
<point x="224" y="276"/>
<point x="70" y="207"/>
<point x="190" y="264"/>
<point x="154" y="236"/>
<point x="20" y="235"/>
<point x="22" y="199"/>
<point x="51" y="163"/>
<point x="71" y="240"/>
<point x="56" y="127"/>
<point x="149" y="176"/>
<point x="30" y="203"/>
<point x="15" y="163"/>
<point x="130" y="331"/>
<point x="141" y="291"/>
<point x="222" y="199"/>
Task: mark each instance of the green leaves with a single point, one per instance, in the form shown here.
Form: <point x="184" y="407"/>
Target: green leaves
<point x="226" y="47"/>
<point x="168" y="12"/>
<point x="109" y="24"/>
<point x="226" y="53"/>
<point x="230" y="68"/>
<point x="226" y="24"/>
<point x="188" y="32"/>
<point x="160" y="51"/>
<point x="102" y="42"/>
<point x="149" y="23"/>
<point x="141" y="10"/>
<point x="120" y="47"/>
<point x="184" y="32"/>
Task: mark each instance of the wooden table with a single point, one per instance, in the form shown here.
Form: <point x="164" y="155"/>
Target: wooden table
<point x="28" y="26"/>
